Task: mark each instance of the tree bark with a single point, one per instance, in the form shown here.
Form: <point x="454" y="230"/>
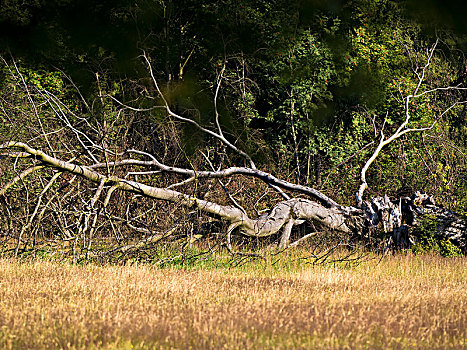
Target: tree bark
<point x="381" y="214"/>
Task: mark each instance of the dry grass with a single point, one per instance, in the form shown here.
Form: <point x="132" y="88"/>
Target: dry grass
<point x="404" y="302"/>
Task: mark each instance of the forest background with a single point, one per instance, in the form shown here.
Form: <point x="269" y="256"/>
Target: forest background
<point x="301" y="86"/>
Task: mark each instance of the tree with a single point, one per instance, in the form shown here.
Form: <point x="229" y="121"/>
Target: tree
<point x="254" y="112"/>
<point x="65" y="147"/>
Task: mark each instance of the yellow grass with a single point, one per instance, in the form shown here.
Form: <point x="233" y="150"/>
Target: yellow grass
<point x="406" y="302"/>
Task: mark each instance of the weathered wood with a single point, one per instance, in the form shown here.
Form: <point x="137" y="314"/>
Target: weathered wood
<point x="379" y="214"/>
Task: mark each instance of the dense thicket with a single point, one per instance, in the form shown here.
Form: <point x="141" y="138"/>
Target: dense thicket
<point x="303" y="87"/>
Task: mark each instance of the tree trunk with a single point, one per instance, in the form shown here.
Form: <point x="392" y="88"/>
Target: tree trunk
<point x="378" y="216"/>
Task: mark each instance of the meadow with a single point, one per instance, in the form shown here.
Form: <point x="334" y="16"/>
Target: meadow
<point x="401" y="302"/>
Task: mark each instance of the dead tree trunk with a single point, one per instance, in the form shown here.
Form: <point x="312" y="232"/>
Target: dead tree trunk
<point x="379" y="215"/>
<point x="367" y="217"/>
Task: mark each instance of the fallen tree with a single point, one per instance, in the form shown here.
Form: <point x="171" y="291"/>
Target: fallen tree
<point x="111" y="169"/>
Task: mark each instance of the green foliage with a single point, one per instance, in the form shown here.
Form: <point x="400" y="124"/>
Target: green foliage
<point x="306" y="84"/>
<point x="40" y="78"/>
<point x="428" y="241"/>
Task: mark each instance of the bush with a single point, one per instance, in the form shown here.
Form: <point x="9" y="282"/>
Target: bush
<point x="428" y="240"/>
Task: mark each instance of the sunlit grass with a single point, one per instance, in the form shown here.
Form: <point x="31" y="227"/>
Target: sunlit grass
<point x="417" y="302"/>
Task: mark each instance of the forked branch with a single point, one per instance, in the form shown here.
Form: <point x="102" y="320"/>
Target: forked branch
<point x="404" y="127"/>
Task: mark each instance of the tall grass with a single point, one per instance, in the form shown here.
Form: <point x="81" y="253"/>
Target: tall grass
<point x="413" y="302"/>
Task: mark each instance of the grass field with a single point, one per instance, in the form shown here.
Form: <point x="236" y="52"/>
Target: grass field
<point x="403" y="302"/>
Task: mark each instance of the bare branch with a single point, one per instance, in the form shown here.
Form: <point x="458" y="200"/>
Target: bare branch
<point x="232" y="199"/>
<point x="219" y="81"/>
<point x="282" y="215"/>
<point x="403" y="127"/>
<point x="429" y="56"/>
<point x="264" y="176"/>
<point x="20" y="177"/>
<point x="218" y="136"/>
<point x="26" y="227"/>
<point x="31" y="101"/>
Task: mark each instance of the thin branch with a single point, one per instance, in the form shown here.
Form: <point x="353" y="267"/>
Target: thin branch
<point x="304" y="238"/>
<point x="181" y="183"/>
<point x="62" y="116"/>
<point x="232" y="199"/>
<point x="191" y="121"/>
<point x="347" y="159"/>
<point x="20" y="177"/>
<point x="219" y="81"/>
<point x="31" y="101"/>
<point x="36" y="209"/>
<point x="429" y="56"/>
<point x="264" y="176"/>
<point x="403" y="128"/>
